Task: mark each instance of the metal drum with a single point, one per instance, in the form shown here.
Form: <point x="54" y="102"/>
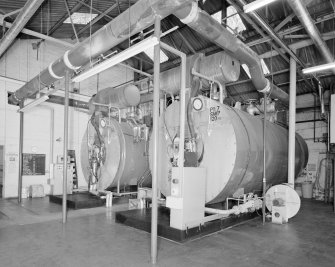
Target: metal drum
<point x="125" y="160"/>
<point x="231" y="149"/>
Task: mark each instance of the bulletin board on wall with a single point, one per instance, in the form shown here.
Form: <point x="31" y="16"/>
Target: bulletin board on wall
<point x="33" y="164"/>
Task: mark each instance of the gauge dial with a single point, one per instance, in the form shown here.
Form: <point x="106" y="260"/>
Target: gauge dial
<point x="197" y="104"/>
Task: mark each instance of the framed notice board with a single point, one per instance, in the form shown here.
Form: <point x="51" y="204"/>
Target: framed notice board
<point x="33" y="164"/>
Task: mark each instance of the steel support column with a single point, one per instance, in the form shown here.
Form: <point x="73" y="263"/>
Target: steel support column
<point x="20" y="154"/>
<point x="292" y="114"/>
<point x="154" y="209"/>
<point x="65" y="144"/>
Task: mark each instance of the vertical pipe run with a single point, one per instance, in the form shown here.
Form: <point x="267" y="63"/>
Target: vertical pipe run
<point x="182" y="115"/>
<point x="65" y="145"/>
<point x="291" y="130"/>
<point x="20" y="154"/>
<point x="264" y="158"/>
<point x="154" y="209"/>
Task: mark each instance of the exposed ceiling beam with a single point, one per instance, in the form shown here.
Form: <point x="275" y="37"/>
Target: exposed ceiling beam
<point x="290" y="30"/>
<point x="64" y="17"/>
<point x="258" y="29"/>
<point x="299" y="45"/>
<point x="249" y="80"/>
<point x="93" y="8"/>
<point x="284" y="22"/>
<point x="21" y="20"/>
<point x="39" y="35"/>
<point x="96" y="19"/>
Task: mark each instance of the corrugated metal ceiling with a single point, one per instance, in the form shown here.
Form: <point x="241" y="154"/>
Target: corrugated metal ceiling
<point x="53" y="12"/>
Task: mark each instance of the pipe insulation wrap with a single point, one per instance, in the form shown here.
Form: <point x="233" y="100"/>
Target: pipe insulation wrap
<point x="141" y="14"/>
<point x="208" y="27"/>
<point x="126" y="96"/>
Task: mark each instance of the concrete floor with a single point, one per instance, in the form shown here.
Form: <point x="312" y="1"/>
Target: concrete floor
<point x="33" y="235"/>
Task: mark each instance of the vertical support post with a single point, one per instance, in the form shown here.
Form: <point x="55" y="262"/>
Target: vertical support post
<point x="182" y="115"/>
<point x="291" y="128"/>
<point x="264" y="157"/>
<point x="154" y="209"/>
<point x="19" y="199"/>
<point x="65" y="145"/>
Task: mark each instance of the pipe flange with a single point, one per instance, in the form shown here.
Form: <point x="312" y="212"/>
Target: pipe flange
<point x="267" y="88"/>
<point x="54" y="75"/>
<point x="67" y="61"/>
<point x="192" y="15"/>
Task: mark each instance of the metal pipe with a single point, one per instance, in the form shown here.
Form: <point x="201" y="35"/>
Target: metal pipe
<point x="264" y="158"/>
<point x="70" y="17"/>
<point x="223" y="93"/>
<point x="292" y="119"/>
<point x="65" y="145"/>
<point x="155" y="136"/>
<point x="208" y="27"/>
<point x="138" y="17"/>
<point x="38" y="35"/>
<point x="182" y="106"/>
<point x="20" y="153"/>
<point x="21" y="20"/>
<point x="275" y="37"/>
<point x="301" y="11"/>
<point x="218" y="211"/>
<point x="322" y="102"/>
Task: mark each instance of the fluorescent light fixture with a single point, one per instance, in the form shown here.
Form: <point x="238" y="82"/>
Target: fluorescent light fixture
<point x="34" y="103"/>
<point x="319" y="68"/>
<point x="256" y="5"/>
<point x="118" y="58"/>
<point x="80" y="18"/>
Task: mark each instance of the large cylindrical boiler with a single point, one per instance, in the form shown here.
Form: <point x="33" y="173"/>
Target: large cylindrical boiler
<point x="125" y="160"/>
<point x="231" y="149"/>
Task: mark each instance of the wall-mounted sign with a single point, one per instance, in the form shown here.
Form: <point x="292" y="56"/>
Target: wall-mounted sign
<point x="33" y="164"/>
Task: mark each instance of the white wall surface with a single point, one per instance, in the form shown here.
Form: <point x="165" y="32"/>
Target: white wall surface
<point x="42" y="124"/>
<point x="316" y="149"/>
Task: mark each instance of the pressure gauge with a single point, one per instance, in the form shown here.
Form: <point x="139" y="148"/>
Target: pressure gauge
<point x="197" y="104"/>
<point x="103" y="123"/>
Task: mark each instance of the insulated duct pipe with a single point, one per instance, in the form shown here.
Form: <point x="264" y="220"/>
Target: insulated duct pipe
<point x="301" y="12"/>
<point x="135" y="19"/>
<point x="207" y="26"/>
<point x="21" y="20"/>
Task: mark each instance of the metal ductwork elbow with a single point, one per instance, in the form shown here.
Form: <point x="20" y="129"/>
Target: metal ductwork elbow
<point x="208" y="27"/>
<point x="137" y="18"/>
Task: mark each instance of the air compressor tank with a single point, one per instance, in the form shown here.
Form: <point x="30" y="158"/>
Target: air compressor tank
<point x="231" y="149"/>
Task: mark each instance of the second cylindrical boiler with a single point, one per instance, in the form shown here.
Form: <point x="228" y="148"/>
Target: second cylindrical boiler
<point x="230" y="147"/>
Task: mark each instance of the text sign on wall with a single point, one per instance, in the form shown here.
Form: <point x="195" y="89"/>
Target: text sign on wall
<point x="33" y="164"/>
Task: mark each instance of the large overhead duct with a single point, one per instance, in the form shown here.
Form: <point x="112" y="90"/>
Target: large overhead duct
<point x="21" y="20"/>
<point x="138" y="17"/>
<point x="207" y="26"/>
<point x="300" y="10"/>
<point x="141" y="16"/>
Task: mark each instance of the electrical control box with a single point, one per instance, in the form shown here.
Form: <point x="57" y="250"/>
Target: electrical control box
<point x="57" y="186"/>
<point x="187" y="200"/>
